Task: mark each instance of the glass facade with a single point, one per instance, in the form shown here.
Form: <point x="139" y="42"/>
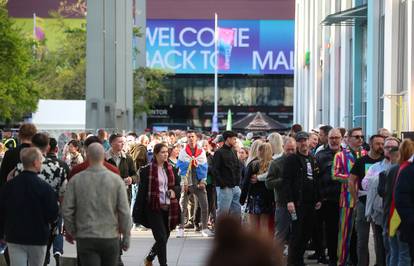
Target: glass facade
<point x="189" y="99"/>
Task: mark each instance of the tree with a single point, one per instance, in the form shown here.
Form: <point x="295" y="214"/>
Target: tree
<point x="148" y="88"/>
<point x="18" y="95"/>
<point x="61" y="74"/>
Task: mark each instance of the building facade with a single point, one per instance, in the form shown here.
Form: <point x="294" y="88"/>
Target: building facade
<point x="180" y="40"/>
<point x="354" y="64"/>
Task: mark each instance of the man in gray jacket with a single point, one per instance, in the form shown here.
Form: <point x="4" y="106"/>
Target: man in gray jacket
<point x="96" y="210"/>
<point x="274" y="182"/>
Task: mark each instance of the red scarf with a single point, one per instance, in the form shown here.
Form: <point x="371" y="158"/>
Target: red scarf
<point x="154" y="192"/>
<point x="197" y="152"/>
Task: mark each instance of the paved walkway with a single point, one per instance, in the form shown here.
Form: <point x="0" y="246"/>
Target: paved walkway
<point x="192" y="250"/>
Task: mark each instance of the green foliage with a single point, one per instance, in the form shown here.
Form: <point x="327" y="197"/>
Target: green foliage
<point x="18" y="95"/>
<point x="148" y="88"/>
<point x="61" y="74"/>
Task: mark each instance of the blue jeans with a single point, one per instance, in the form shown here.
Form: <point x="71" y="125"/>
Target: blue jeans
<point x="228" y="201"/>
<point x="58" y="241"/>
<point x="398" y="252"/>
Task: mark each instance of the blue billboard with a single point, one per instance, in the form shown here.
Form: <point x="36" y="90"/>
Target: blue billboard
<point x="187" y="46"/>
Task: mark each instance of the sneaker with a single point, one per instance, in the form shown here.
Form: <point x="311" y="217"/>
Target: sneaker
<point x="197" y="228"/>
<point x="313" y="256"/>
<point x="189" y="226"/>
<point x="180" y="233"/>
<point x="207" y="233"/>
<point x="286" y="251"/>
<point x="57" y="256"/>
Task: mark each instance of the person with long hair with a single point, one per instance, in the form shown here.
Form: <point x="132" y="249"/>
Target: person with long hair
<point x="402" y="207"/>
<point x="157" y="206"/>
<point x="276" y="140"/>
<point x="260" y="201"/>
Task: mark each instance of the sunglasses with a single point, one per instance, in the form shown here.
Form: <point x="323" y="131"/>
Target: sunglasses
<point x="358" y="137"/>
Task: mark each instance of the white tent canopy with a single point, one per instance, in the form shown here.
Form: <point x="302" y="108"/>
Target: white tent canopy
<point x="60" y="115"/>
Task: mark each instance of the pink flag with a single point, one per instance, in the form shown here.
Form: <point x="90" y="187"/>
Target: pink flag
<point x="224" y="45"/>
<point x="40" y="35"/>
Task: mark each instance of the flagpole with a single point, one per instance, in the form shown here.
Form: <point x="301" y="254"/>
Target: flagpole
<point x="215" y="115"/>
<point x="34" y="25"/>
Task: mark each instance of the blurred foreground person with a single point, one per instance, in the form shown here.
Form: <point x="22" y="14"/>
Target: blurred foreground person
<point x="96" y="219"/>
<point x="236" y="246"/>
<point x="157" y="206"/>
<point x="28" y="205"/>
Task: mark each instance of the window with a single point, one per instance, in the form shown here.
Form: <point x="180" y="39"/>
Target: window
<point x="233" y="91"/>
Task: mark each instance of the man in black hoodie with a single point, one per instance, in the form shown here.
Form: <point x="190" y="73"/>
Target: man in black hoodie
<point x="28" y="205"/>
<point x="226" y="169"/>
<point x="301" y="195"/>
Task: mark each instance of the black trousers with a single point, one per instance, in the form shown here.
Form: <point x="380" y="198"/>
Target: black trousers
<point x="330" y="220"/>
<point x="300" y="234"/>
<point x="98" y="251"/>
<point x="158" y="220"/>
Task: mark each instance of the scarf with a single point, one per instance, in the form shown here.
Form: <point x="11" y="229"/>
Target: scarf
<point x="154" y="193"/>
<point x="394" y="220"/>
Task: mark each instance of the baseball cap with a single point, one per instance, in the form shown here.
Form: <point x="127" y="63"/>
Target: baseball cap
<point x="301" y="135"/>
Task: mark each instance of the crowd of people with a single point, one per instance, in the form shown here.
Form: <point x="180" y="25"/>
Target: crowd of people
<point x="323" y="190"/>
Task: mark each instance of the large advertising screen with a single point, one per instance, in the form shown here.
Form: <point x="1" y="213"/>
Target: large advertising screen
<point x="187" y="46"/>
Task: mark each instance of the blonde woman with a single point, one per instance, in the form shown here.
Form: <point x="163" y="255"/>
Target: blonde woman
<point x="260" y="201"/>
<point x="276" y="140"/>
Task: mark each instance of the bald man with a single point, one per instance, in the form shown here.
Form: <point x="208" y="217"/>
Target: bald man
<point x="96" y="211"/>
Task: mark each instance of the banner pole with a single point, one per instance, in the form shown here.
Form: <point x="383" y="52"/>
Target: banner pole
<point x="215" y="115"/>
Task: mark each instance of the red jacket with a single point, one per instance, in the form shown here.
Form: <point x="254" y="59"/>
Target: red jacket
<point x="80" y="167"/>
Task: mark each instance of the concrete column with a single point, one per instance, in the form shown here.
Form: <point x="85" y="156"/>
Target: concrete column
<point x="345" y="79"/>
<point x="140" y="122"/>
<point x="372" y="67"/>
<point x="109" y="65"/>
<point x="410" y="63"/>
<point x="391" y="64"/>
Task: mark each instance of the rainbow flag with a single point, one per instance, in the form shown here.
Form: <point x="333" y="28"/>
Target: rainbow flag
<point x="38" y="32"/>
<point x="225" y="44"/>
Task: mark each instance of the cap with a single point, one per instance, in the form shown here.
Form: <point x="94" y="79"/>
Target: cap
<point x="249" y="135"/>
<point x="218" y="139"/>
<point x="301" y="135"/>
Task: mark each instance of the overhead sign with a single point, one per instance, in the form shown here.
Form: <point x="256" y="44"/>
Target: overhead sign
<point x="187" y="46"/>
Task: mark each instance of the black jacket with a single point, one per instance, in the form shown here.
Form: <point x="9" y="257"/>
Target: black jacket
<point x="226" y="167"/>
<point x="404" y="203"/>
<point x="294" y="175"/>
<point x="329" y="189"/>
<point x="27" y="206"/>
<point x="10" y="161"/>
<point x="274" y="179"/>
<point x="139" y="212"/>
<point x="385" y="189"/>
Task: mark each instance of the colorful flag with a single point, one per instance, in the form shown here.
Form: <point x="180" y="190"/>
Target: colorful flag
<point x="225" y="44"/>
<point x="38" y="32"/>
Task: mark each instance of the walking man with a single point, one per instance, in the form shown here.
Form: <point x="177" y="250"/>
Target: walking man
<point x="193" y="166"/>
<point x="96" y="219"/>
<point x="28" y="205"/>
<point x="228" y="175"/>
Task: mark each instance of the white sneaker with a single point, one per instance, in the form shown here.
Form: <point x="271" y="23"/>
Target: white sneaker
<point x="180" y="233"/>
<point x="207" y="233"/>
<point x="285" y="251"/>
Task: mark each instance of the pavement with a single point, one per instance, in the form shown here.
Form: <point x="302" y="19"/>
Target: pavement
<point x="192" y="250"/>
